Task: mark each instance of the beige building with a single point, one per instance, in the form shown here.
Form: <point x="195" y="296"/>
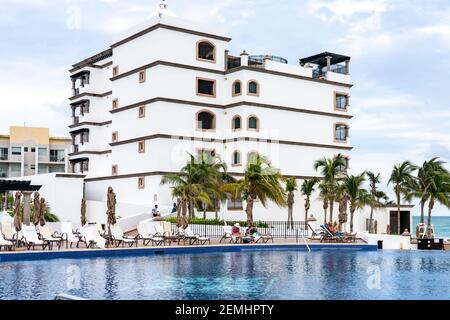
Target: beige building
<point x="28" y="151"/>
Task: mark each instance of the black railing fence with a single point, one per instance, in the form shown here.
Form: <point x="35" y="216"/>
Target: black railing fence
<point x="278" y="229"/>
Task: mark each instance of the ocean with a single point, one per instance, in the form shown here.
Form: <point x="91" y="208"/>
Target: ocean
<point x="441" y="225"/>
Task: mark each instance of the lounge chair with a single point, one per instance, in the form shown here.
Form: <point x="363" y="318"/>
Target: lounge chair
<point x="46" y="234"/>
<point x="146" y="234"/>
<point x="264" y="238"/>
<point x="9" y="232"/>
<point x="119" y="238"/>
<point x="68" y="235"/>
<point x="328" y="236"/>
<point x="159" y="232"/>
<point x="226" y="234"/>
<point x="91" y="238"/>
<point x="169" y="235"/>
<point x="6" y="244"/>
<point x="31" y="239"/>
<point x="195" y="238"/>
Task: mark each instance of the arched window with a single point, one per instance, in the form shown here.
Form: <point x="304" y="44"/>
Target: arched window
<point x="237" y="125"/>
<point x="237" y="88"/>
<point x="237" y="158"/>
<point x="206" y="51"/>
<point x="341" y="132"/>
<point x="251" y="157"/>
<point x="253" y="123"/>
<point x="206" y="120"/>
<point x="253" y="88"/>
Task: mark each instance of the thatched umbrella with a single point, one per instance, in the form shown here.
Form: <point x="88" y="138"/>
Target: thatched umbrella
<point x="83" y="212"/>
<point x="17" y="221"/>
<point x="111" y="213"/>
<point x="42" y="212"/>
<point x="36" y="208"/>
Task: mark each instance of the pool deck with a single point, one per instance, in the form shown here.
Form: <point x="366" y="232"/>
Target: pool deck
<point x="214" y="247"/>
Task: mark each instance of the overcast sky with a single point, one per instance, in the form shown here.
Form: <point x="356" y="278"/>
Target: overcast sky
<point x="400" y="66"/>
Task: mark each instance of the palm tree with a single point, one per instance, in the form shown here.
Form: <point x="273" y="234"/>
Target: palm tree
<point x="439" y="191"/>
<point x="307" y="189"/>
<point x="376" y="198"/>
<point x="403" y="181"/>
<point x="291" y="187"/>
<point x="260" y="182"/>
<point x="424" y="180"/>
<point x="323" y="187"/>
<point x="352" y="186"/>
<point x="332" y="173"/>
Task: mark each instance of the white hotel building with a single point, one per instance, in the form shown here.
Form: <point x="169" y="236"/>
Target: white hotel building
<point x="170" y="87"/>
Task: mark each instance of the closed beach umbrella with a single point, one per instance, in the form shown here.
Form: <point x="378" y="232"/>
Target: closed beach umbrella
<point x="83" y="212"/>
<point x="36" y="208"/>
<point x="17" y="221"/>
<point x="42" y="212"/>
<point x="111" y="204"/>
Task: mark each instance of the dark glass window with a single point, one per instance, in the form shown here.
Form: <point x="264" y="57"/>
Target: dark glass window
<point x="341" y="101"/>
<point x="205" y="121"/>
<point x="237" y="88"/>
<point x="236" y="158"/>
<point x="206" y="51"/>
<point x="205" y="87"/>
<point x="253" y="87"/>
<point x="235" y="204"/>
<point x="237" y="123"/>
<point x="341" y="133"/>
<point x="253" y="123"/>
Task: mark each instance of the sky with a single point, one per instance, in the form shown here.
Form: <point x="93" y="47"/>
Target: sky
<point x="400" y="65"/>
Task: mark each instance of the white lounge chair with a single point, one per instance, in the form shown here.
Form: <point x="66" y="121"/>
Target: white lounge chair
<point x="48" y="235"/>
<point x="118" y="237"/>
<point x="6" y="244"/>
<point x="9" y="232"/>
<point x="31" y="239"/>
<point x="90" y="238"/>
<point x="226" y="234"/>
<point x="195" y="238"/>
<point x="146" y="232"/>
<point x="68" y="235"/>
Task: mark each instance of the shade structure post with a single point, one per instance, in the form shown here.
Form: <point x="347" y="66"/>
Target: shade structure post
<point x="26" y="207"/>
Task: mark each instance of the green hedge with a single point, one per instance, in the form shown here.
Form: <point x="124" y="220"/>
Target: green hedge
<point x="214" y="222"/>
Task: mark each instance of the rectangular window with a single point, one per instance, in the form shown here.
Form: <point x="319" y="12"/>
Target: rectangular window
<point x="15" y="167"/>
<point x="42" y="154"/>
<point x="142" y="76"/>
<point x="4" y="170"/>
<point x="341" y="133"/>
<point x="341" y="101"/>
<point x="115" y="71"/>
<point x="235" y="204"/>
<point x="114" y="170"/>
<point x="25" y="149"/>
<point x="206" y="87"/>
<point x="115" y="104"/>
<point x="4" y="153"/>
<point x="59" y="169"/>
<point x="141" y="182"/>
<point x="16" y="151"/>
<point x="33" y="150"/>
<point x="33" y="167"/>
<point x="206" y="154"/>
<point x="57" y="155"/>
<point x="142" y="112"/>
<point x="141" y="147"/>
<point x="42" y="168"/>
<point x="115" y="136"/>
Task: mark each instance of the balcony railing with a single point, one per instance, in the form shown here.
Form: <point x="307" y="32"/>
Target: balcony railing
<point x="75" y="92"/>
<point x="4" y="157"/>
<point x="76" y="120"/>
<point x="56" y="159"/>
<point x="75" y="148"/>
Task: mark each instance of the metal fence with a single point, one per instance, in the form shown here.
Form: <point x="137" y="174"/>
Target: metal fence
<point x="278" y="229"/>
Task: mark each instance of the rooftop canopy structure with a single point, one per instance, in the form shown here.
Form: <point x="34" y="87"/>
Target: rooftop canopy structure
<point x="327" y="61"/>
<point x="14" y="185"/>
<point x="321" y="59"/>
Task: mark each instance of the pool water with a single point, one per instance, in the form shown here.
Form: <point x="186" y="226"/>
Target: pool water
<point x="292" y="275"/>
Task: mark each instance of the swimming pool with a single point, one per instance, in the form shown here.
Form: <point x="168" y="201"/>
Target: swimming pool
<point x="287" y="274"/>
